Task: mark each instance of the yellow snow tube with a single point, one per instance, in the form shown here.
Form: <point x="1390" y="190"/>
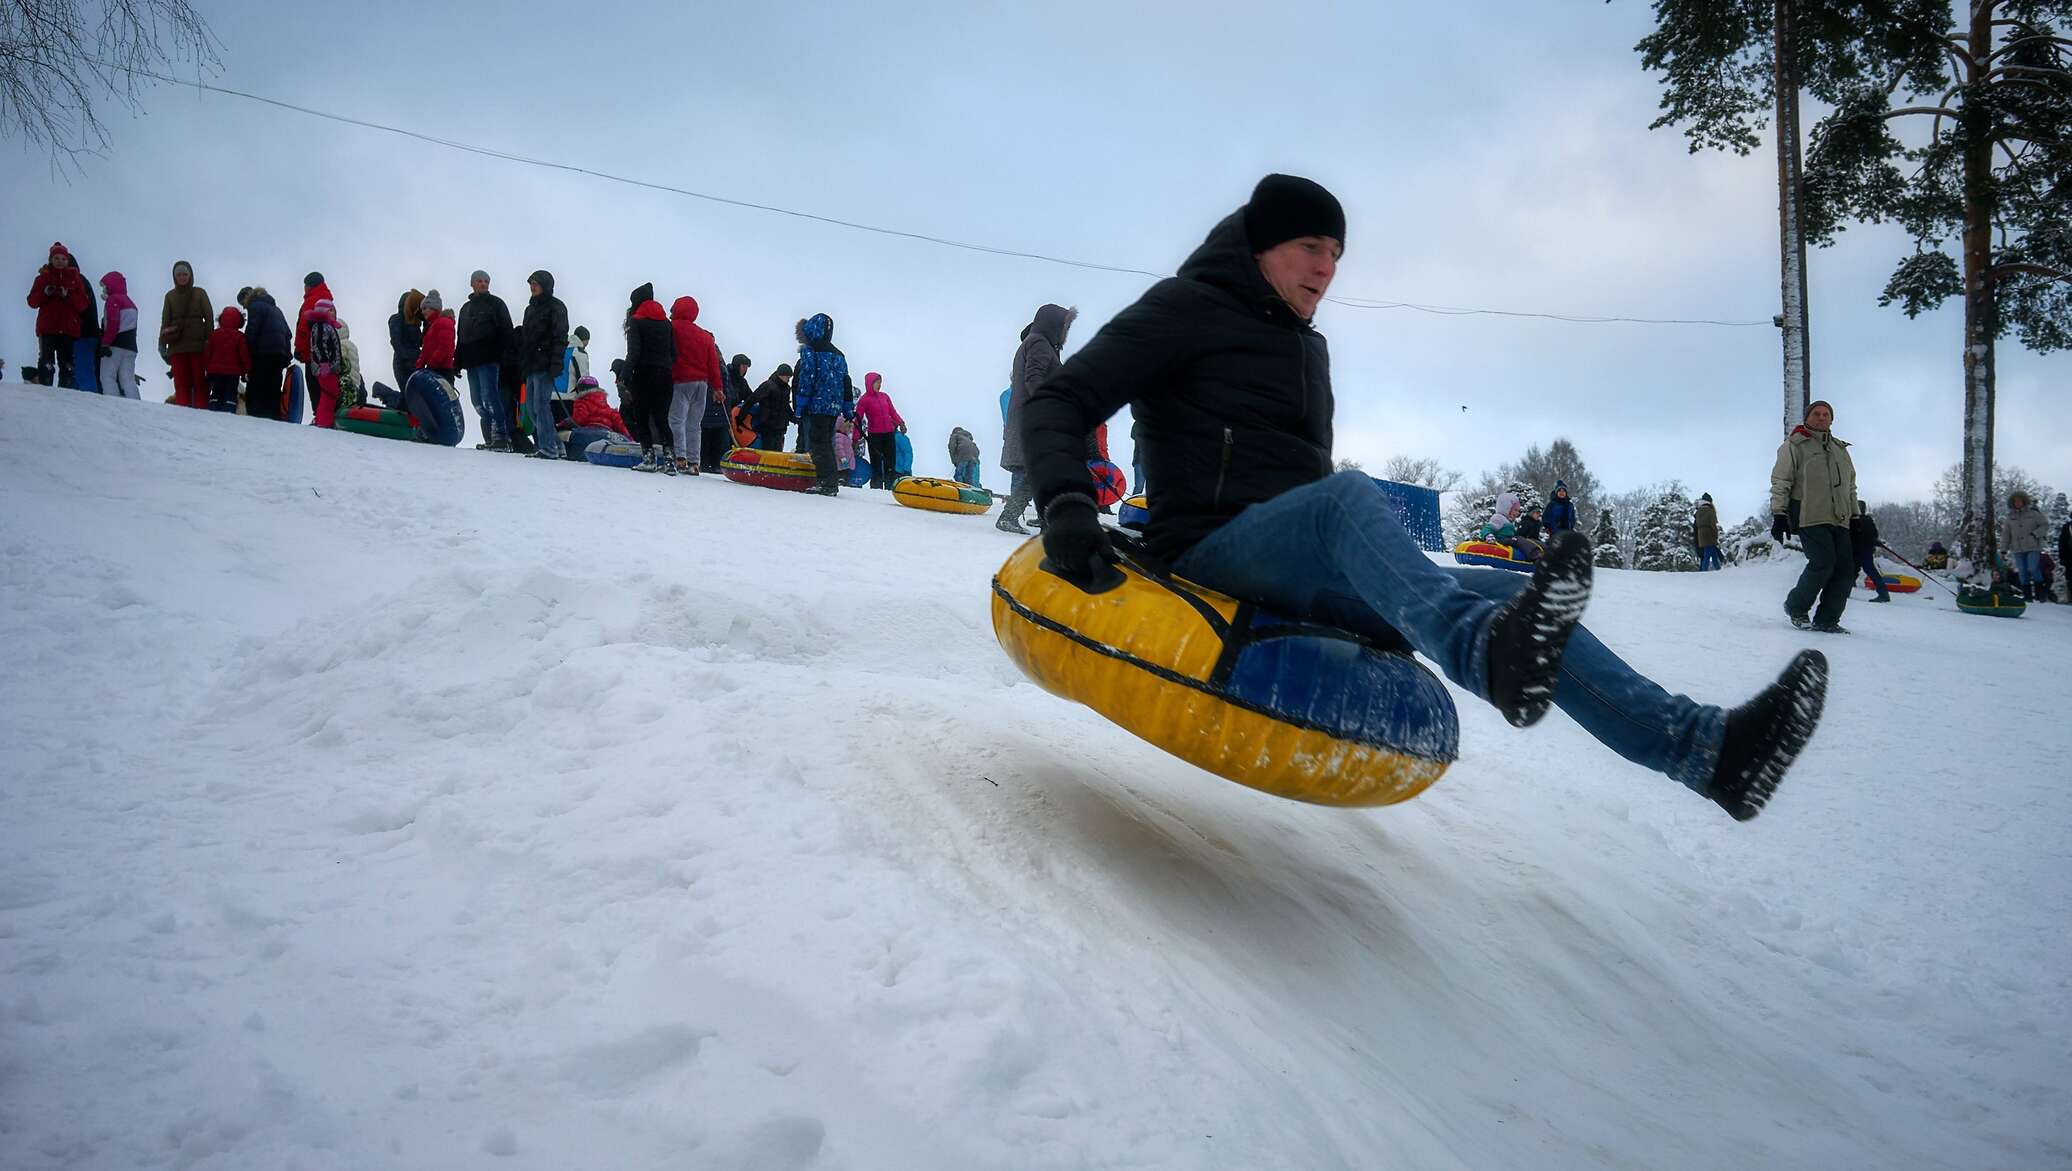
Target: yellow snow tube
<point x="935" y="495"/>
<point x="1302" y="711"/>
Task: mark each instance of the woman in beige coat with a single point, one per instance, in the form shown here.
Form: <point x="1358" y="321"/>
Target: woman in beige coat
<point x="1813" y="492"/>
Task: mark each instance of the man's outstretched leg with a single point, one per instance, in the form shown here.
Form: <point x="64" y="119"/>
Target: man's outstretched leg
<point x="1333" y="550"/>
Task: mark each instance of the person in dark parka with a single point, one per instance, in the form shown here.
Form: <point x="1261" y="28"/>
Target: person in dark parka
<point x="1561" y="510"/>
<point x="483" y="342"/>
<point x="542" y="348"/>
<point x="1230" y="384"/>
<point x="719" y="422"/>
<point x="1863" y="541"/>
<point x="1035" y="359"/>
<point x="272" y="343"/>
<point x="650" y="353"/>
<point x="771" y="409"/>
<point x="406" y="336"/>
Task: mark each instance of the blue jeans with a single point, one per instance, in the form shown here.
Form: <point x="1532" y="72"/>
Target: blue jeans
<point x="2028" y="567"/>
<point x="488" y="400"/>
<point x="1869" y="565"/>
<point x="1333" y="552"/>
<point x="539" y="404"/>
<point x="1709" y="558"/>
<point x="968" y="473"/>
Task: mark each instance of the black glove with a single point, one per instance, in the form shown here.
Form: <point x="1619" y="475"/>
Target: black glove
<point x="1778" y="527"/>
<point x="1074" y="543"/>
<point x="103" y="352"/>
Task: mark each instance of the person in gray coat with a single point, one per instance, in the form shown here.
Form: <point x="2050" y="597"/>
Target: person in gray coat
<point x="2026" y="529"/>
<point x="1034" y="362"/>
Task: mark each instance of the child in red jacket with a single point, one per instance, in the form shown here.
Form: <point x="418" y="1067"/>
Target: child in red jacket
<point x="225" y="359"/>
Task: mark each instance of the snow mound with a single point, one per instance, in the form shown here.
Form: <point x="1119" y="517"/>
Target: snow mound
<point x="369" y="804"/>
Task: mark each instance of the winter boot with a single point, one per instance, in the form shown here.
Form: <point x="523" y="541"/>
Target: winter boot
<point x="1529" y="633"/>
<point x="1766" y="734"/>
<point x="668" y="461"/>
<point x="1008" y="524"/>
<point x="1830" y="628"/>
<point x="1799" y="620"/>
<point x="499" y="444"/>
<point x="647" y="461"/>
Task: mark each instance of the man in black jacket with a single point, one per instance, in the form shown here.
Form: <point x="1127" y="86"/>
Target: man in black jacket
<point x="542" y="343"/>
<point x="1230" y="386"/>
<point x="770" y="407"/>
<point x="482" y="335"/>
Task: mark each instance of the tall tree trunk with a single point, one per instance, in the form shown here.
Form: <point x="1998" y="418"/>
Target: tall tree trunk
<point x="1791" y="228"/>
<point x="1981" y="323"/>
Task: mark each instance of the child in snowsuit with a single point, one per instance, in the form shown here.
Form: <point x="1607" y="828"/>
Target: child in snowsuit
<point x="325" y="355"/>
<point x="1502" y="523"/>
<point x="118" y="347"/>
<point x="58" y="296"/>
<point x="845" y="447"/>
<point x="964" y="457"/>
<point x="1531" y="531"/>
<point x="881" y="424"/>
<point x="225" y="359"/>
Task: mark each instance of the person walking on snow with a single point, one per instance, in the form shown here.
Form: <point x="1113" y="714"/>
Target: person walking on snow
<point x="650" y="357"/>
<point x="225" y="359"/>
<point x="694" y="374"/>
<point x="824" y="392"/>
<point x="118" y="348"/>
<point x="1230" y="383"/>
<point x="184" y="324"/>
<point x="272" y="344"/>
<point x="1561" y="510"/>
<point x="2023" y="535"/>
<point x="1813" y="494"/>
<point x="1863" y="544"/>
<point x="1705" y="534"/>
<point x="58" y="296"/>
<point x="881" y="426"/>
<point x="1043" y="339"/>
<point x="542" y="344"/>
<point x="964" y="461"/>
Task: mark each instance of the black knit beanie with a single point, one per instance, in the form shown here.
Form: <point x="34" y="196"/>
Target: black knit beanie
<point x="313" y="280"/>
<point x="1287" y="207"/>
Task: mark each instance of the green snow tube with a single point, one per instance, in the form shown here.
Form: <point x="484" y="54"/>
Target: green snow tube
<point x="1992" y="603"/>
<point x="378" y="422"/>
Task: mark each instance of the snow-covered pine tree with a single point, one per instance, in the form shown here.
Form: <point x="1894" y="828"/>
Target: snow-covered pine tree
<point x="1664" y="540"/>
<point x="1747" y="541"/>
<point x="1606" y="539"/>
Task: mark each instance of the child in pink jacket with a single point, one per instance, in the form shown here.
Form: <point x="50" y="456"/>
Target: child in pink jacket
<point x="880" y="422"/>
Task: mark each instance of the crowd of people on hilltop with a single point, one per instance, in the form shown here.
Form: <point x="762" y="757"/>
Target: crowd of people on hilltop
<point x="528" y="377"/>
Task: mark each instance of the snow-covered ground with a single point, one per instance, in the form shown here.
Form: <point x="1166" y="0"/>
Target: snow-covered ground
<point x="365" y="804"/>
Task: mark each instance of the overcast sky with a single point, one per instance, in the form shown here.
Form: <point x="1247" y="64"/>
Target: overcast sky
<point x="1487" y="154"/>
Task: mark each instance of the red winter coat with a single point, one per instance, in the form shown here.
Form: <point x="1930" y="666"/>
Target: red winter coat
<point x="59" y="296"/>
<point x="437" y="353"/>
<point x="697" y="355"/>
<point x="310" y="296"/>
<point x="593" y="409"/>
<point x="226" y="352"/>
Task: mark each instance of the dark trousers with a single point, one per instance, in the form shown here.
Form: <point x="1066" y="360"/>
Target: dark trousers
<point x="263" y="386"/>
<point x="655" y="392"/>
<point x="884" y="452"/>
<point x="822" y="428"/>
<point x="1830" y="564"/>
<point x="1869" y="566"/>
<point x="223" y="393"/>
<point x="54" y="355"/>
<point x="712" y="448"/>
<point x="772" y="438"/>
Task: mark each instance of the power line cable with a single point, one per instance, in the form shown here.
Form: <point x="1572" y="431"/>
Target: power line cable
<point x="944" y="241"/>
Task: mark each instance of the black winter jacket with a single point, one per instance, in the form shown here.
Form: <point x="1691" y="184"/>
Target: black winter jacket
<point x="1230" y="389"/>
<point x="650" y="343"/>
<point x="1863" y="534"/>
<point x="266" y="329"/>
<point x="771" y="404"/>
<point x="483" y="333"/>
<point x="543" y="340"/>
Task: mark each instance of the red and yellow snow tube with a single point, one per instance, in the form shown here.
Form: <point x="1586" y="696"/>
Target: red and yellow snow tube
<point x="1895" y="583"/>
<point x="789" y="471"/>
<point x="1301" y="711"/>
<point x="933" y="495"/>
<point x="1490" y="553"/>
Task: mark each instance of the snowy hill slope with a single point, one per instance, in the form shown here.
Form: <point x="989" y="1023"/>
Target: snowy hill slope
<point x="365" y="804"/>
